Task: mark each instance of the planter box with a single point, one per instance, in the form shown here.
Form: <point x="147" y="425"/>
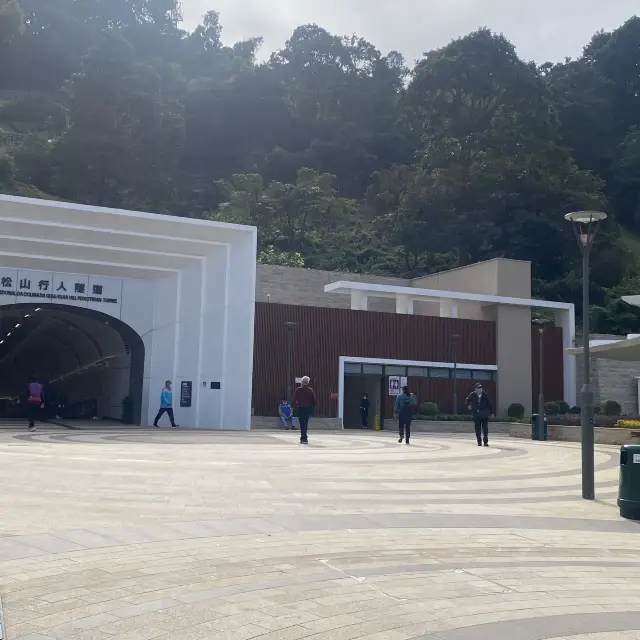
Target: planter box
<point x="315" y="424"/>
<point x="450" y="426"/>
<point x="603" y="435"/>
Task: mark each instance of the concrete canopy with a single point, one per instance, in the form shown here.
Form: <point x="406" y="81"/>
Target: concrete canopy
<point x="60" y="236"/>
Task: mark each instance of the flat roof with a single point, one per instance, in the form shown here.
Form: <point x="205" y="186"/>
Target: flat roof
<point x="391" y="291"/>
<point x="624" y="350"/>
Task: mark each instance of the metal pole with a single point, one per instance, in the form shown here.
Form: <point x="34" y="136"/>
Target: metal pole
<point x="289" y="328"/>
<point x="540" y="424"/>
<point x="586" y="397"/>
<point x="455" y="377"/>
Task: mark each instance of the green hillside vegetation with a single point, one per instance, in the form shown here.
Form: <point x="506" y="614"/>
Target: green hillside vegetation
<point x="345" y="157"/>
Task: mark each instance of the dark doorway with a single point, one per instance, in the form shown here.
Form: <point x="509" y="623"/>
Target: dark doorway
<point x="92" y="364"/>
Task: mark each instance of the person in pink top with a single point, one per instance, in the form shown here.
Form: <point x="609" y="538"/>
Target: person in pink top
<point x="35" y="402"/>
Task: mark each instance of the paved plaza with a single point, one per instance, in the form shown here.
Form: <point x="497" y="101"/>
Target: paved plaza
<point x="176" y="535"/>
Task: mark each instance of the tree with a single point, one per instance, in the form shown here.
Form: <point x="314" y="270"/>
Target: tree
<point x="126" y="126"/>
<point x="492" y="165"/>
<point x="291" y="218"/>
<point x="342" y="96"/>
<point x="11" y="25"/>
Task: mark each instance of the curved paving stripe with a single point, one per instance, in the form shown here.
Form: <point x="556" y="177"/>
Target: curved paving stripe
<point x="545" y="627"/>
<point x="184" y="536"/>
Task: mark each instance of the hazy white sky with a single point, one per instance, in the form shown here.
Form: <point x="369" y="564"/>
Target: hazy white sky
<point x="541" y="29"/>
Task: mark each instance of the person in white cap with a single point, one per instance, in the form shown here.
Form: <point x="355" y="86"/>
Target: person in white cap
<point x="304" y="400"/>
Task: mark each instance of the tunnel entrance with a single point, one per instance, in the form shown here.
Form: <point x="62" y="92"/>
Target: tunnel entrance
<point x="91" y="364"/>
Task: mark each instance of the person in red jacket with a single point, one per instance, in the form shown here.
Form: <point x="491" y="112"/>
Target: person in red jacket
<point x="304" y="400"/>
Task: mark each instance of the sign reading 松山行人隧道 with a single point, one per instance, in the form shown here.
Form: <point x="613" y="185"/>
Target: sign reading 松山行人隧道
<point x="18" y="286"/>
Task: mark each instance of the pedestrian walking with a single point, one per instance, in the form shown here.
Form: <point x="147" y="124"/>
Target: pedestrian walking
<point x="35" y="402"/>
<point x="166" y="405"/>
<point x="480" y="405"/>
<point x="364" y="410"/>
<point x="304" y="400"/>
<point x="406" y="405"/>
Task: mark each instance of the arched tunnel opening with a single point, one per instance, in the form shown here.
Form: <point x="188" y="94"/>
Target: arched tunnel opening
<point x="91" y="364"/>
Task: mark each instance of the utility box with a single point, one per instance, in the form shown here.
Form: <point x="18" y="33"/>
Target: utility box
<point x="536" y="432"/>
<point x="629" y="492"/>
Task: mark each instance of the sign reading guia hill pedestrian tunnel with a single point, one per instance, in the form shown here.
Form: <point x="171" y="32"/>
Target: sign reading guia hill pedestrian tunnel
<point x="18" y="286"/>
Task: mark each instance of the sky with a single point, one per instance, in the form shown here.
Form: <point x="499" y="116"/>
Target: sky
<point x="541" y="30"/>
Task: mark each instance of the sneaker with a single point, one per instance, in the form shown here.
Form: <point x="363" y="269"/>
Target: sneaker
<point x="32" y="428"/>
<point x="486" y="444"/>
<point x="479" y="443"/>
<point x="400" y="439"/>
<point x="304" y="442"/>
<point x="408" y="442"/>
<point x="157" y="426"/>
<point x="175" y="426"/>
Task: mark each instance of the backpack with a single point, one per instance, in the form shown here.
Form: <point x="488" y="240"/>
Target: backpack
<point x="35" y="393"/>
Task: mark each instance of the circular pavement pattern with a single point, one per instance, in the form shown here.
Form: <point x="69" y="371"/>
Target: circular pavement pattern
<point x="183" y="535"/>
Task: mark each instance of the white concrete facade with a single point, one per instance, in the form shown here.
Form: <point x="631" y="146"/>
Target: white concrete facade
<point x="185" y="286"/>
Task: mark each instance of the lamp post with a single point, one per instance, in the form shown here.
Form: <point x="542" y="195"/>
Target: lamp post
<point x="290" y="326"/>
<point x="454" y="352"/>
<point x="539" y="430"/>
<point x="585" y="225"/>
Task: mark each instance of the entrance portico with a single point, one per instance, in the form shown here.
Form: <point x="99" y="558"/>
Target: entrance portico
<point x="185" y="286"/>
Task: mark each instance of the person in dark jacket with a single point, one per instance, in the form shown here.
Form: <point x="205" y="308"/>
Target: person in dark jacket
<point x="304" y="400"/>
<point x="364" y="411"/>
<point x="406" y="404"/>
<point x="482" y="409"/>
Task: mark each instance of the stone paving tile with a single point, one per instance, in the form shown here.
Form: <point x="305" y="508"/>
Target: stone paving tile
<point x="198" y="535"/>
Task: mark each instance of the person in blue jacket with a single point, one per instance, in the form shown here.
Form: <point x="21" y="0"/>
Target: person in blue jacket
<point x="286" y="413"/>
<point x="166" y="405"/>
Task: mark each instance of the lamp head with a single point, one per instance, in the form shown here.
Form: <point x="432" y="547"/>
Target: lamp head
<point x="585" y="224"/>
<point x="586" y="217"/>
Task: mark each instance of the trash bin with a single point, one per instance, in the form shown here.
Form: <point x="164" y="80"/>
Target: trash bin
<point x="629" y="492"/>
<point x="535" y="434"/>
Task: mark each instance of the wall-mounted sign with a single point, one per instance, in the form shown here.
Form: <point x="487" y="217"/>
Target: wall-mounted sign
<point x="186" y="393"/>
<point x="394" y="385"/>
<point x="95" y="292"/>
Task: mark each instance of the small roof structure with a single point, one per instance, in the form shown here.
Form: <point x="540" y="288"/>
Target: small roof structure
<point x="626" y="350"/>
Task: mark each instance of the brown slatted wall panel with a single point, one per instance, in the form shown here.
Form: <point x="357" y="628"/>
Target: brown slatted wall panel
<point x="324" y="334"/>
<point x="553" y="379"/>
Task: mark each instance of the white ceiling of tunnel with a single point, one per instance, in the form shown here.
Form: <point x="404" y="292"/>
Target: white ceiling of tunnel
<point x="52" y="343"/>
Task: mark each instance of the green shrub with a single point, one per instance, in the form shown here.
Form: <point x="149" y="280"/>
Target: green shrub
<point x="516" y="410"/>
<point x="597" y="410"/>
<point x="429" y="409"/>
<point x="575" y="410"/>
<point x="563" y="407"/>
<point x="611" y="408"/>
<point x="552" y="409"/>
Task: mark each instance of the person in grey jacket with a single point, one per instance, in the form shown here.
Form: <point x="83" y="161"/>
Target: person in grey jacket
<point x="405" y="406"/>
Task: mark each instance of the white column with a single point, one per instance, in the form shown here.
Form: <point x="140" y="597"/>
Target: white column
<point x="358" y="300"/>
<point x="448" y="308"/>
<point x="404" y="304"/>
<point x="566" y="318"/>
